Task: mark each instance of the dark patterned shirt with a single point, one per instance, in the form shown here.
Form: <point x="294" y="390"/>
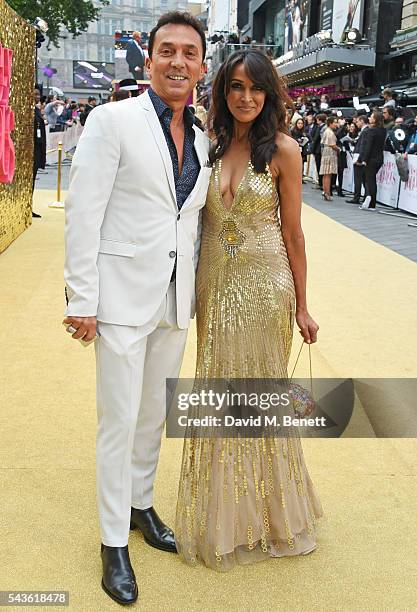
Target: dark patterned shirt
<point x="184" y="182"/>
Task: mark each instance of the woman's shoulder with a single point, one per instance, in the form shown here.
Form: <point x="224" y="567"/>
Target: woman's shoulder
<point x="286" y="144"/>
<point x="288" y="153"/>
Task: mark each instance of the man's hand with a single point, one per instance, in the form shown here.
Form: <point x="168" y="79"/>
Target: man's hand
<point x="86" y="327"/>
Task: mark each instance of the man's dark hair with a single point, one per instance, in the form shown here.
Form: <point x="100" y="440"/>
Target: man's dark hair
<point x="390" y="110"/>
<point x="178" y="18"/>
<point x="91" y="98"/>
<point x="322" y="117"/>
<point x="364" y="118"/>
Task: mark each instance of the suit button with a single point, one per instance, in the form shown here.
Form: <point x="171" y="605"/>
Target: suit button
<point x="178" y="217"/>
<point x="172" y="254"/>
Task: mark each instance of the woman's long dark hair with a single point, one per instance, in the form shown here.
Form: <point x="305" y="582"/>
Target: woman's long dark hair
<point x="272" y="118"/>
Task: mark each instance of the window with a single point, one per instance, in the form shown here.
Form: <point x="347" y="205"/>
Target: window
<point x="141" y="26"/>
<point x="108" y="26"/>
<point x="106" y="54"/>
<point x="141" y="3"/>
<point x="79" y="51"/>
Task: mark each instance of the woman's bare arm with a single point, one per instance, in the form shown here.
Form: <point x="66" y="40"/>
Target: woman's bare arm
<point x="287" y="169"/>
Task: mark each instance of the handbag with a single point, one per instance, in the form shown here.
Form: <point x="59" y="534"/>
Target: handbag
<point x="302" y="398"/>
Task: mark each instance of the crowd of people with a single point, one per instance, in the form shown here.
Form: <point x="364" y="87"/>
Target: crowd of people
<point x="322" y="133"/>
<point x="329" y="137"/>
<point x="59" y="113"/>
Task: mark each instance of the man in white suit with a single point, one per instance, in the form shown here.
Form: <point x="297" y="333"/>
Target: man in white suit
<point x="138" y="181"/>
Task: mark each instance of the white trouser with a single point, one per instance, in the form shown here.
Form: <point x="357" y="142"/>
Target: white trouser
<point x="133" y="364"/>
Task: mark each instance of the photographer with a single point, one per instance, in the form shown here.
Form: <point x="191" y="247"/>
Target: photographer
<point x="388" y="96"/>
<point x="53" y="111"/>
<point x="412" y="143"/>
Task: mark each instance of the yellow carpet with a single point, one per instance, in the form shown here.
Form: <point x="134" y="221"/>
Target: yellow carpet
<point x="361" y="295"/>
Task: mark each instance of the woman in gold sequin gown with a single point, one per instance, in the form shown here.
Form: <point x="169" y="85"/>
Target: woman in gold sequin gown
<point x="246" y="499"/>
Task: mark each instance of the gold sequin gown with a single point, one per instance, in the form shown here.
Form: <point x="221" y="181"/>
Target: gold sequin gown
<point x="243" y="500"/>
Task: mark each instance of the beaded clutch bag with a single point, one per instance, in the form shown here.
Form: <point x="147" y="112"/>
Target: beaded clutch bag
<point x="303" y="400"/>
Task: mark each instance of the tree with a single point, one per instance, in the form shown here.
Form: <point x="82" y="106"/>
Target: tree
<point x="74" y="15"/>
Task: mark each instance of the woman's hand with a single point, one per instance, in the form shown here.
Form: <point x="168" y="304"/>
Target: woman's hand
<point x="308" y="326"/>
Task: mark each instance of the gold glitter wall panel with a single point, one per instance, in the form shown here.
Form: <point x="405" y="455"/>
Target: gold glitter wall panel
<point x="16" y="196"/>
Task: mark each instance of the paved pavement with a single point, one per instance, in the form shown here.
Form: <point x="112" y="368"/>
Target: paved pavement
<point x="47" y="179"/>
<point x="391" y="231"/>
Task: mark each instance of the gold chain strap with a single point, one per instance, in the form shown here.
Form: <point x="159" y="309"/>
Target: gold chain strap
<point x="309" y="358"/>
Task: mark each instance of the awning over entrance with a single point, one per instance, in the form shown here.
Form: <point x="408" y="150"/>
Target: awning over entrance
<point x="327" y="61"/>
<point x="402" y="51"/>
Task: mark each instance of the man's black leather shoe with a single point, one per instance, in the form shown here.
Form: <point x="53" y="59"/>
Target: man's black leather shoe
<point x="352" y="201"/>
<point x="119" y="580"/>
<point x="155" y="532"/>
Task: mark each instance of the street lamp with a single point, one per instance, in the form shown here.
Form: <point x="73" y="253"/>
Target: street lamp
<point x="325" y="36"/>
<point x="41" y="27"/>
<point x="41" y="24"/>
<point x="353" y="37"/>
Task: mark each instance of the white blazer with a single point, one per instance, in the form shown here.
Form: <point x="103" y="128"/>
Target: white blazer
<point x="122" y="224"/>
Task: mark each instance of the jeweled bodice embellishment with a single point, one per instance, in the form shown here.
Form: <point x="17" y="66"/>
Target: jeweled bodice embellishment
<point x="231" y="237"/>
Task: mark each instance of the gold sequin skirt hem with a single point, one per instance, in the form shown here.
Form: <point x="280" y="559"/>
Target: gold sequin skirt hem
<point x="262" y="550"/>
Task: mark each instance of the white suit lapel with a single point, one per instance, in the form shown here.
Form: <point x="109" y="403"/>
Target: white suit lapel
<point x="159" y="136"/>
<point x="200" y="147"/>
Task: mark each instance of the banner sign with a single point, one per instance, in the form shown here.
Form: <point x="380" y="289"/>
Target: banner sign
<point x="7" y="151"/>
<point x="326" y="15"/>
<point x="408" y="193"/>
<point x="348" y="182"/>
<point x="92" y="75"/>
<point x="388" y="181"/>
<point x="130" y="55"/>
<point x="341" y="15"/>
<point x="347" y="14"/>
<point x="297" y="17"/>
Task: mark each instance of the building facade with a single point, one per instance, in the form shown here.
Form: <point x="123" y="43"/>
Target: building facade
<point x="97" y="44"/>
<point x="403" y="54"/>
<point x="337" y="47"/>
<point x="222" y="17"/>
<point x="314" y="49"/>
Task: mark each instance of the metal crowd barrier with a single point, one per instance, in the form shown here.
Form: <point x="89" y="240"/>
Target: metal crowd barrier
<point x="58" y="203"/>
<point x="58" y="147"/>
